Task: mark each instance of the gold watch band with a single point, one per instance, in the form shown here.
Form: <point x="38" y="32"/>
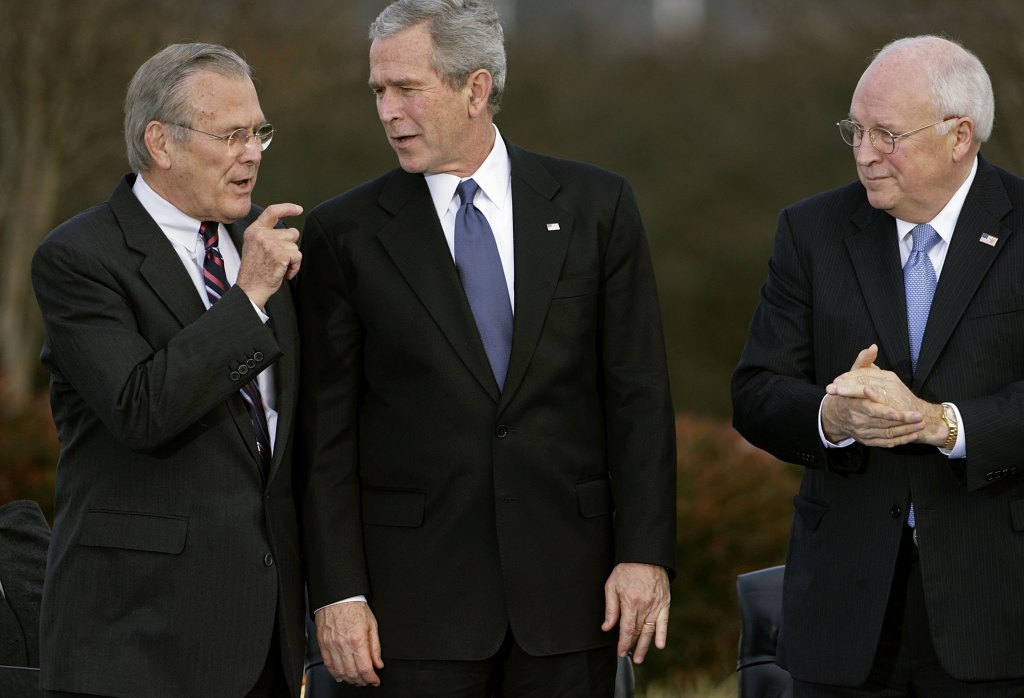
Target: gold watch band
<point x="952" y="427"/>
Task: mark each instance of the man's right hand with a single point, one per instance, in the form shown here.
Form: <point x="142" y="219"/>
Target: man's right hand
<point x="349" y="644"/>
<point x="269" y="254"/>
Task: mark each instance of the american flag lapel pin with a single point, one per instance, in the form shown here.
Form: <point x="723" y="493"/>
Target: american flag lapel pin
<point x="554" y="226"/>
<point x="989" y="240"/>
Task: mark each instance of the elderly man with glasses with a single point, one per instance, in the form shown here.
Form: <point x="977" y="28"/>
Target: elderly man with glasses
<point x="886" y="356"/>
<point x="172" y="347"/>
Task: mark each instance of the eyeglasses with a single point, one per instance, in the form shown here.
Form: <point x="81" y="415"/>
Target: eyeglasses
<point x="882" y="140"/>
<point x="238" y="140"/>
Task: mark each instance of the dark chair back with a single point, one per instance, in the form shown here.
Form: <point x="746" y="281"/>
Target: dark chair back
<point x="19" y="682"/>
<point x="24" y="539"/>
<point x="760" y="597"/>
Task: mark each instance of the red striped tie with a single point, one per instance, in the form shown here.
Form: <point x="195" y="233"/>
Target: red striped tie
<point x="216" y="286"/>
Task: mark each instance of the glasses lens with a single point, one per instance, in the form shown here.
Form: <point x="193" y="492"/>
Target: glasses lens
<point x="884" y="141"/>
<point x="850" y="132"/>
<point x="265" y="134"/>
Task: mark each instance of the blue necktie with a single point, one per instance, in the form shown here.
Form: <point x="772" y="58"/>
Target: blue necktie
<point x="483" y="278"/>
<point x="919" y="281"/>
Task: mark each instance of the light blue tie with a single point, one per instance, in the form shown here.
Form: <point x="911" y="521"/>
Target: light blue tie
<point x="483" y="278"/>
<point x="919" y="281"/>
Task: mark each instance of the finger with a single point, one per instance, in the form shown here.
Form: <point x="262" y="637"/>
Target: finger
<point x="642" y="643"/>
<point x="629" y="632"/>
<point x="866" y="357"/>
<point x="611" y="609"/>
<point x="661" y="629"/>
<point x="275" y="212"/>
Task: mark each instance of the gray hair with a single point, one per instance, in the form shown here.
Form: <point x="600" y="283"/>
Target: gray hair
<point x="959" y="82"/>
<point x="159" y="91"/>
<point x="466" y="35"/>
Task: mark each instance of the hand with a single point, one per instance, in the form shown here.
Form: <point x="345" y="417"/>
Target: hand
<point x="636" y="597"/>
<point x="873" y="406"/>
<point x="349" y="644"/>
<point x="270" y="254"/>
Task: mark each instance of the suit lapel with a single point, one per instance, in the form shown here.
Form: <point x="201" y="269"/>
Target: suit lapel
<point x="160" y="267"/>
<point x="414" y="240"/>
<point x="539" y="256"/>
<point x="967" y="262"/>
<point x="876" y="259"/>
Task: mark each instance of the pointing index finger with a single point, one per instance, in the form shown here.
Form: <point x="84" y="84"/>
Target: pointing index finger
<point x="273" y="213"/>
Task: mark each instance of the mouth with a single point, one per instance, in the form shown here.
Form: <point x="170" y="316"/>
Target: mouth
<point x="243" y="185"/>
<point x="401" y="141"/>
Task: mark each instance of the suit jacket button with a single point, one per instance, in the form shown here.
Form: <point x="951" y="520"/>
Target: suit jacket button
<point x="251" y="363"/>
<point x="268" y="560"/>
<point x="243" y="369"/>
<point x="896" y="511"/>
<point x="235" y="375"/>
<point x="989" y="477"/>
<point x="258" y="356"/>
<point x="501" y="432"/>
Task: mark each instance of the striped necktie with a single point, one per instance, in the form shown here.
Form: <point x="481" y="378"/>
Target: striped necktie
<point x="216" y="286"/>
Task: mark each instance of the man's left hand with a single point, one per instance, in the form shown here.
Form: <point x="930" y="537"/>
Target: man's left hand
<point x="637" y="598"/>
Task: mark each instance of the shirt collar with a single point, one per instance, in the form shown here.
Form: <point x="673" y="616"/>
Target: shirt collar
<point x="493" y="177"/>
<point x="945" y="221"/>
<point x="180" y="228"/>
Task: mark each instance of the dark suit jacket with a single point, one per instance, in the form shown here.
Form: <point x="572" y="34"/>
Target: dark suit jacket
<point x="457" y="508"/>
<point x="171" y="554"/>
<point x="834" y="287"/>
<point x="24" y="538"/>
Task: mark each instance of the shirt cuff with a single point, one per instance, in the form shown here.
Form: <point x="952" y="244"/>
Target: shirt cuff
<point x="821" y="432"/>
<point x="350" y="599"/>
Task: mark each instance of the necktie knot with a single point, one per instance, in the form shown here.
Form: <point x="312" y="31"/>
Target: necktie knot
<point x="925" y="237"/>
<point x="209" y="231"/>
<point x="467" y="191"/>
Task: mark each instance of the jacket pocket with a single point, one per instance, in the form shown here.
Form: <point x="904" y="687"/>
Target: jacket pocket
<point x="575" y="287"/>
<point x="810" y="512"/>
<point x="134" y="531"/>
<point x="594" y="497"/>
<point x="393" y="507"/>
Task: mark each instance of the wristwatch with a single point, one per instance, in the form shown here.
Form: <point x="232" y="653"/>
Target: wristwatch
<point x="949" y="417"/>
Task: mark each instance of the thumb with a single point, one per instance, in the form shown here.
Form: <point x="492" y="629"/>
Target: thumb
<point x="866" y="358"/>
<point x="273" y="213"/>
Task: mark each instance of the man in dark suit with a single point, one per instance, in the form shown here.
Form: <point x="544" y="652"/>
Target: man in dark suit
<point x="174" y="568"/>
<point x="886" y="356"/>
<point x="501" y="481"/>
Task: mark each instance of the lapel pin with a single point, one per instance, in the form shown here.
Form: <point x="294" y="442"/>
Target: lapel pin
<point x="554" y="226"/>
<point x="989" y="240"/>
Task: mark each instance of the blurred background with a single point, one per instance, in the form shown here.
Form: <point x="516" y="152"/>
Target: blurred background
<point x="720" y="112"/>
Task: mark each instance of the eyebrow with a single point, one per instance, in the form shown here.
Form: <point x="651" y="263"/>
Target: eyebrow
<point x="398" y="82"/>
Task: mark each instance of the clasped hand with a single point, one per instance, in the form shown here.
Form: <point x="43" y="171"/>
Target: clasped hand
<point x="872" y="406"/>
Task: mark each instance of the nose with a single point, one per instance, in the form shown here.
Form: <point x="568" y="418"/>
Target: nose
<point x="388" y="106"/>
<point x="252" y="151"/>
<point x="865" y="153"/>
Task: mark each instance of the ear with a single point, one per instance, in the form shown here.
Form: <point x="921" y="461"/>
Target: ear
<point x="158" y="143"/>
<point x="963" y="145"/>
<point x="479" y="85"/>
